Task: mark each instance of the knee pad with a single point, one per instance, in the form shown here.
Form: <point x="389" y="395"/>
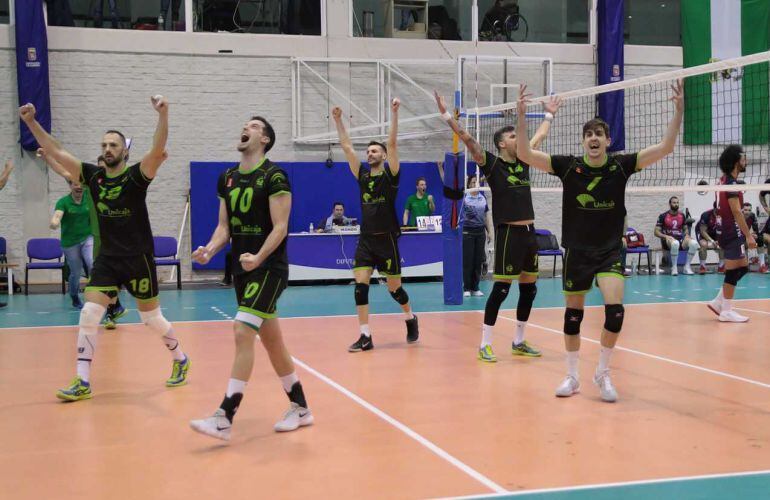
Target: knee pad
<point x="732" y="276"/>
<point x="527" y="293"/>
<point x="155" y="321"/>
<point x="613" y="317"/>
<point x="361" y="294"/>
<point x="499" y="292"/>
<point x="90" y="317"/>
<point x="572" y="320"/>
<point x="400" y="296"/>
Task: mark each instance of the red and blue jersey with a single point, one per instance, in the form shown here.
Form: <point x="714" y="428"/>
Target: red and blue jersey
<point x="672" y="224"/>
<point x="730" y="228"/>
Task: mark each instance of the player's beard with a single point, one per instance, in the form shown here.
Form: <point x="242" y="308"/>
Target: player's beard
<point x="114" y="162"/>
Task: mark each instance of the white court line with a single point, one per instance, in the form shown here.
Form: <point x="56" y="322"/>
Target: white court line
<point x="659" y="358"/>
<point x="752" y="310"/>
<point x="407" y="430"/>
<point x="618" y="484"/>
<point x="288" y="318"/>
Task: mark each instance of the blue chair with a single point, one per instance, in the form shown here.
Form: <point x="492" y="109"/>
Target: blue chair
<point x="640" y="250"/>
<point x="548" y="246"/>
<point x="165" y="255"/>
<point x="48" y="250"/>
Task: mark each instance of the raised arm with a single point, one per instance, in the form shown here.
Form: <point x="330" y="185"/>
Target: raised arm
<point x="551" y="108"/>
<point x="220" y="238"/>
<point x="153" y="159"/>
<point x="48" y="143"/>
<point x="393" y="160"/>
<point x="657" y="152"/>
<point x="6" y="173"/>
<point x="524" y="151"/>
<point x="280" y="207"/>
<point x="475" y="149"/>
<point x="55" y="165"/>
<point x="347" y="145"/>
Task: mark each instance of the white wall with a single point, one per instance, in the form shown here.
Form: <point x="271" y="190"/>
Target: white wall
<point x="103" y="79"/>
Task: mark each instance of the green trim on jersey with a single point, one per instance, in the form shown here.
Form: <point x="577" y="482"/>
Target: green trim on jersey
<point x="279" y="193"/>
<point x="118" y="174"/>
<point x="604" y="162"/>
<point x="252" y="169"/>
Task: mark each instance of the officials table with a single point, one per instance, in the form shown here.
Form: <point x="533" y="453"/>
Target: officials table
<point x="329" y="256"/>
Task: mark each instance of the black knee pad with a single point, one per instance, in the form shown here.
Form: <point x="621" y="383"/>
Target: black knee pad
<point x="496" y="297"/>
<point x="361" y="294"/>
<point x="613" y="317"/>
<point x="572" y="320"/>
<point x="400" y="296"/>
<point x="527" y="293"/>
<point x="732" y="276"/>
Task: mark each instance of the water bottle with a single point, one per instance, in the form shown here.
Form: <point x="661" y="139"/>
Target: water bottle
<point x="311" y="227"/>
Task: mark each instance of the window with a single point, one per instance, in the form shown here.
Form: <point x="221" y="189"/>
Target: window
<point x="118" y="14"/>
<point x="649" y="22"/>
<point x="416" y="19"/>
<point x="544" y="21"/>
<point x="294" y="17"/>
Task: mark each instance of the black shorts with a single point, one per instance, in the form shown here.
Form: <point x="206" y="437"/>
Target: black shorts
<point x="378" y="251"/>
<point x="257" y="292"/>
<point x="734" y="248"/>
<point x="136" y="273"/>
<point x="582" y="266"/>
<point x="515" y="251"/>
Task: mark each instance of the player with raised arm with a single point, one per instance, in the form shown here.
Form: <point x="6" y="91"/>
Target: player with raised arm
<point x="514" y="220"/>
<point x="126" y="258"/>
<point x="593" y="212"/>
<point x="378" y="244"/>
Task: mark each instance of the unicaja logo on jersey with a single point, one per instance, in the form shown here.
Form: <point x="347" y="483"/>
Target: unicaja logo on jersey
<point x="585" y="199"/>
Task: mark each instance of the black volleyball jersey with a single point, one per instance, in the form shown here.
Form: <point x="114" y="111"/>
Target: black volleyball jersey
<point x="121" y="209"/>
<point x="593" y="200"/>
<point x="510" y="186"/>
<point x="247" y="197"/>
<point x="378" y="200"/>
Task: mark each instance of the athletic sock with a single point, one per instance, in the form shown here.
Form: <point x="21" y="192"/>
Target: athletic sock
<point x="486" y="335"/>
<point x="172" y="343"/>
<point x="365" y="330"/>
<point x="289" y="380"/>
<point x="727" y="305"/>
<point x="572" y="363"/>
<point x="235" y="386"/>
<point x="297" y="395"/>
<point x="721" y="295"/>
<point x="604" y="358"/>
<point x="519" y="338"/>
<point x="409" y="315"/>
<point x="84" y="370"/>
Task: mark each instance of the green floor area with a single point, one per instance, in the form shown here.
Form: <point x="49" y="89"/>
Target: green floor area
<point x="219" y="303"/>
<point x="738" y="487"/>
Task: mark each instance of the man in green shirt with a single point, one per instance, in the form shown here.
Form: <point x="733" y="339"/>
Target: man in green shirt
<point x="72" y="213"/>
<point x="418" y="204"/>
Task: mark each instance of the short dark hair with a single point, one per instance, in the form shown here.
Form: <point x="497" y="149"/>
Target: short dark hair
<point x="117" y="132"/>
<point x="500" y="132"/>
<point x="729" y="157"/>
<point x="746" y="203"/>
<point x="596" y="123"/>
<point x="420" y="179"/>
<point x="375" y="143"/>
<point x="334" y="205"/>
<point x="269" y="130"/>
<point x="673" y="198"/>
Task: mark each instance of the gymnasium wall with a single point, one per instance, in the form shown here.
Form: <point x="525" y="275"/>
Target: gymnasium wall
<point x="211" y="96"/>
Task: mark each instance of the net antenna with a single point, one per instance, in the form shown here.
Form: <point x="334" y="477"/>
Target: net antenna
<point x="725" y="102"/>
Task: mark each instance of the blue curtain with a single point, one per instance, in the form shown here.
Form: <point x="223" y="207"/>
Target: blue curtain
<point x="610" y="68"/>
<point x="32" y="66"/>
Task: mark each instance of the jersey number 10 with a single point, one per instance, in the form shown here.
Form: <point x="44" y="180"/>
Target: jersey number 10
<point x="245" y="204"/>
